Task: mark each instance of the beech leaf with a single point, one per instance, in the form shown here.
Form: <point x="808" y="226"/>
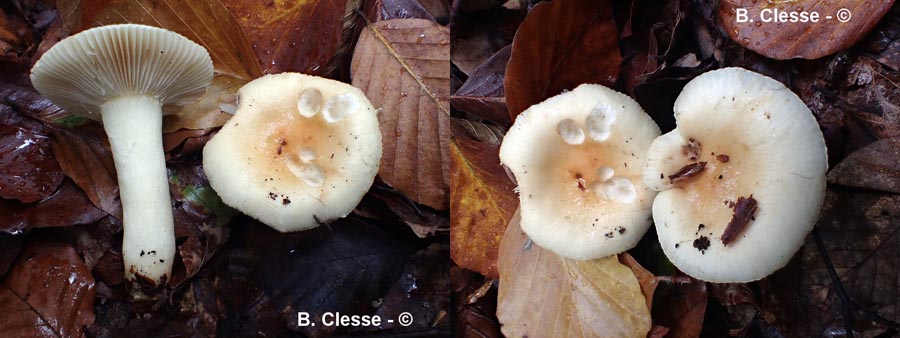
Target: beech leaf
<point x="834" y="31"/>
<point x="482" y="94"/>
<point x="403" y="67"/>
<point x="295" y="36"/>
<point x="48" y="293"/>
<point x="877" y="167"/>
<point x="482" y="203"/>
<point x="560" y="45"/>
<point x="545" y="295"/>
<point x="208" y="23"/>
<point x="84" y="155"/>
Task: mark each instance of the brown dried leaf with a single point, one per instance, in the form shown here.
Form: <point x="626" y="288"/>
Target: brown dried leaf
<point x="544" y="295"/>
<point x="293" y="36"/>
<point x="380" y="10"/>
<point x="476" y="131"/>
<point x="678" y="304"/>
<point x="482" y="94"/>
<point x="560" y="45"/>
<point x="482" y="202"/>
<point x="478" y="35"/>
<point x="208" y="23"/>
<point x="876" y="167"/>
<point x="66" y="207"/>
<point x="49" y="293"/>
<point x="809" y="40"/>
<point x="474" y="317"/>
<point x="403" y="67"/>
<point x="85" y="156"/>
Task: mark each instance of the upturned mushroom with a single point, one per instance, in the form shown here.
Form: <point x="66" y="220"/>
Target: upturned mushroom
<point x="300" y="150"/>
<point x="128" y="77"/>
<point x="741" y="178"/>
<point x="577" y="159"/>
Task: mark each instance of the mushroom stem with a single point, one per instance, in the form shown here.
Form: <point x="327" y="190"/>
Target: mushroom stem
<point x="134" y="127"/>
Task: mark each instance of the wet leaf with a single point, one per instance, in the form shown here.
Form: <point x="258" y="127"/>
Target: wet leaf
<point x="544" y="295"/>
<point x="876" y="167"/>
<point x="48" y="293"/>
<point x="424" y="221"/>
<point x="10" y="246"/>
<point x="208" y="23"/>
<point x="402" y="66"/>
<point x="474" y="317"/>
<point x="482" y="202"/>
<point x="293" y="36"/>
<point x="28" y="169"/>
<point x="677" y="304"/>
<point x="84" y="155"/>
<point x="423" y="290"/>
<point x="66" y="207"/>
<point x="859" y="233"/>
<point x="482" y="94"/>
<point x="807" y="40"/>
<point x="477" y="131"/>
<point x="268" y="276"/>
<point x="560" y="45"/>
<point x="380" y="10"/>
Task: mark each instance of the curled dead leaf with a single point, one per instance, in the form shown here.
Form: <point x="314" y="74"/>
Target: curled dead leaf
<point x="544" y="295"/>
<point x="403" y="67"/>
<point x="876" y="166"/>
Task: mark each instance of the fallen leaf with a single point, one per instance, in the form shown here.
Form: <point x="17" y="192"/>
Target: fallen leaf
<point x="560" y="45"/>
<point x="293" y="36"/>
<point x="28" y="169"/>
<point x="473" y="318"/>
<point x="876" y="167"/>
<point x="402" y="66"/>
<point x="380" y="10"/>
<point x="48" y="293"/>
<point x="264" y="272"/>
<point x="424" y="221"/>
<point x="208" y="23"/>
<point x="481" y="132"/>
<point x="482" y="94"/>
<point x="84" y="155"/>
<point x="478" y="35"/>
<point x="677" y="304"/>
<point x="859" y="235"/>
<point x="423" y="290"/>
<point x="841" y="24"/>
<point x="544" y="295"/>
<point x="66" y="207"/>
<point x="482" y="203"/>
<point x="872" y="93"/>
<point x="10" y="246"/>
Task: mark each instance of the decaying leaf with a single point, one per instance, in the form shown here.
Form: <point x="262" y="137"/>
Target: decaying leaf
<point x="859" y="236"/>
<point x="293" y="36"/>
<point x="475" y="316"/>
<point x="677" y="304"/>
<point x="482" y="203"/>
<point x="208" y="23"/>
<point x="560" y="45"/>
<point x="840" y="25"/>
<point x="403" y="67"/>
<point x="876" y="167"/>
<point x="85" y="156"/>
<point x="544" y="295"/>
<point x="477" y="36"/>
<point x="48" y="293"/>
<point x="28" y="170"/>
<point x="482" y="94"/>
<point x="67" y="206"/>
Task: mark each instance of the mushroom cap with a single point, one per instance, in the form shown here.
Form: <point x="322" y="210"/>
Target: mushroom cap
<point x="577" y="158"/>
<point x="83" y="71"/>
<point x="300" y="150"/>
<point x="757" y="139"/>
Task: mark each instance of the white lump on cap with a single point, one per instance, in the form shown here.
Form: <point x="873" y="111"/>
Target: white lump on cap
<point x="577" y="159"/>
<point x="748" y="155"/>
<point x="301" y="150"/>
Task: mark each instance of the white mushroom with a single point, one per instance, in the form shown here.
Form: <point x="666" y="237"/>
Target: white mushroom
<point x="125" y="75"/>
<point x="577" y="158"/>
<point x="742" y="177"/>
<point x="299" y="151"/>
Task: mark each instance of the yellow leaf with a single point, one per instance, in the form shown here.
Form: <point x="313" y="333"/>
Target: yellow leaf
<point x="543" y="295"/>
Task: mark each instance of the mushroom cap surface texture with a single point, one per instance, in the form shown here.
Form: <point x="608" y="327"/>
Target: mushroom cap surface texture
<point x="300" y="150"/>
<point x="122" y="60"/>
<point x="577" y="158"/>
<point x="742" y="177"/>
